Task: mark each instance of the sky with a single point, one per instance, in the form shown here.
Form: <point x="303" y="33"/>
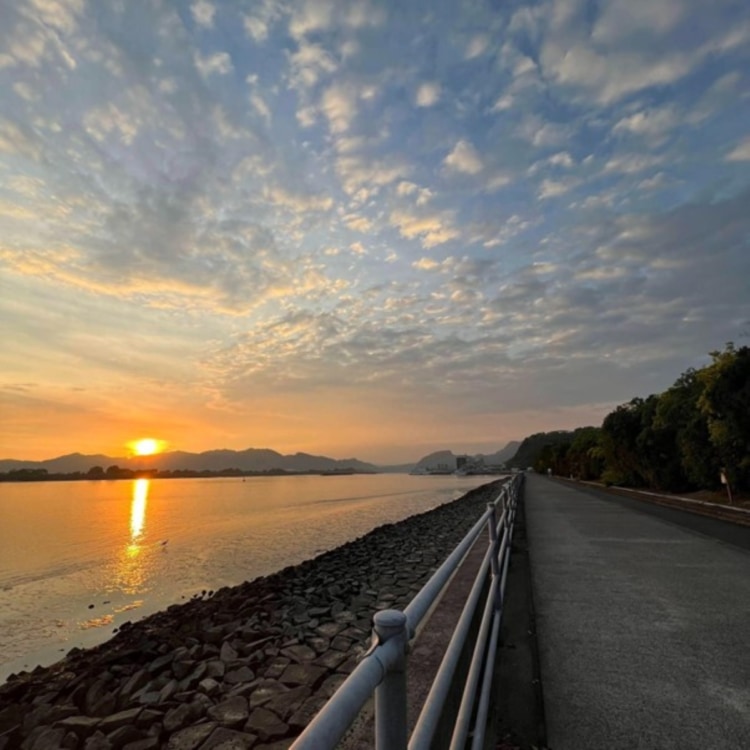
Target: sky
<point x="370" y="229"/>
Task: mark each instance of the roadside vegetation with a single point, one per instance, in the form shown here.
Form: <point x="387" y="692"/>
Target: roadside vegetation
<point x="681" y="440"/>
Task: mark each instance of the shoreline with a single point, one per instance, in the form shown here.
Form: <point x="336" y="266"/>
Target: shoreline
<point x="253" y="662"/>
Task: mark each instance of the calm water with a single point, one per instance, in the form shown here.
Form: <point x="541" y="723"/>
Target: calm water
<point x="130" y="548"/>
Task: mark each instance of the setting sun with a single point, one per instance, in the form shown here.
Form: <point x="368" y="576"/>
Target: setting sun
<point x="146" y="446"/>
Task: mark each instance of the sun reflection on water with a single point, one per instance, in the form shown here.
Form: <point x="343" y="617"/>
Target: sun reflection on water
<point x="138" y="509"/>
<point x="132" y="564"/>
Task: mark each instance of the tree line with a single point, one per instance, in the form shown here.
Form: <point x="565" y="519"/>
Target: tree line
<point x="680" y="440"/>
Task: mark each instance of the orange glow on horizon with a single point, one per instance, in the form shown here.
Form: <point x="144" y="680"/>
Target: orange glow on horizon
<point x="146" y="446"/>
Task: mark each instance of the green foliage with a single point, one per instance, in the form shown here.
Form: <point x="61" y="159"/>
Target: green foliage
<point x="564" y="452"/>
<point x="725" y="403"/>
<point x="531" y="449"/>
<point x="678" y="409"/>
<point x="675" y="441"/>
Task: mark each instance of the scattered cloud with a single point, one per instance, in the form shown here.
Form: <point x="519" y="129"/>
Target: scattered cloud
<point x="647" y="123"/>
<point x="741" y="152"/>
<point x="339" y="105"/>
<point x="504" y="102"/>
<point x="477" y="46"/>
<point x="219" y="63"/>
<point x="431" y="229"/>
<point x="428" y="94"/>
<point x="311" y="207"/>
<point x="203" y="13"/>
<point x="553" y="188"/>
<point x="309" y="64"/>
<point x="464" y="158"/>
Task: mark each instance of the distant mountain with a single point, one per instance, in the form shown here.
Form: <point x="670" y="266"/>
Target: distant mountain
<point x="445" y="460"/>
<point x="252" y="459"/>
<point x="438" y="461"/>
<point x="504" y="455"/>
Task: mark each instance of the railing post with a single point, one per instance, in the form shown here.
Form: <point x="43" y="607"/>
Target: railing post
<point x="390" y="695"/>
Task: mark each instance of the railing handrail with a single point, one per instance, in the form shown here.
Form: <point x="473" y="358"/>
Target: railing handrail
<point x="382" y="669"/>
<point x="426" y="596"/>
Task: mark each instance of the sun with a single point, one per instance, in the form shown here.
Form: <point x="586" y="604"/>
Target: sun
<point x="146" y="446"/>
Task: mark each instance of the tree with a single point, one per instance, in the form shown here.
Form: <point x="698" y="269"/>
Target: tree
<point x="96" y="472"/>
<point x="619" y="436"/>
<point x="725" y="402"/>
<point x="678" y="408"/>
<point x="585" y="457"/>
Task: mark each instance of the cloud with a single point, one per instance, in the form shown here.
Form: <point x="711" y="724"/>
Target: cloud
<point x="631" y="48"/>
<point x="653" y="183"/>
<point x="358" y="223"/>
<point x="543" y="134"/>
<point x="358" y="248"/>
<point x="60" y="14"/>
<point x="620" y="20"/>
<point x="477" y="46"/>
<point x="631" y="163"/>
<point x="358" y="172"/>
<point x="261" y="107"/>
<point x="310" y="16"/>
<point x="16" y="140"/>
<point x="265" y="13"/>
<point x="255" y="28"/>
<point x="741" y="152"/>
<point x="431" y="228"/>
<point x="561" y="159"/>
<point x="553" y="188"/>
<point x="203" y="13"/>
<point x="503" y="103"/>
<point x="464" y="158"/>
<point x="426" y="264"/>
<point x="298" y="202"/>
<point x="648" y="123"/>
<point x="219" y="63"/>
<point x="315" y="16"/>
<point x="309" y="64"/>
<point x="406" y="188"/>
<point x="110" y="119"/>
<point x="339" y="105"/>
<point x="428" y="94"/>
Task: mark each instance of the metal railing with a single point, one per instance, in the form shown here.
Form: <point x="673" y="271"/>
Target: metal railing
<point x="382" y="669"/>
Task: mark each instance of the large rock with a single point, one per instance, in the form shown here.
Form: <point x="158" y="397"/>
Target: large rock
<point x="121" y="719"/>
<point x="191" y="738"/>
<point x="227" y="739"/>
<point x="177" y="718"/>
<point x="266" y="724"/>
<point x="285" y="704"/>
<point x="303" y="674"/>
<point x="230" y="713"/>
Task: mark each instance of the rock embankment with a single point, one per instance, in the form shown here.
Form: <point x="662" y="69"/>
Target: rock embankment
<point x="244" y="667"/>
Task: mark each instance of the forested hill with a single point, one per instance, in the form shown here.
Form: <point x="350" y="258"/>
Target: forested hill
<point x="679" y="440"/>
<point x="531" y="448"/>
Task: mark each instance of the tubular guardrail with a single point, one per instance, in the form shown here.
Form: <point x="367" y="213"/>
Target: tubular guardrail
<point x="382" y="669"/>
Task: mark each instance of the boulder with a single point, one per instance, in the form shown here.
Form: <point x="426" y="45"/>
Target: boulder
<point x="190" y="738"/>
<point x="232" y="712"/>
<point x="266" y="724"/>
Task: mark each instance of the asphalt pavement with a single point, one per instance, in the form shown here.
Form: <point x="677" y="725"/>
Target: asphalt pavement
<point x="643" y="625"/>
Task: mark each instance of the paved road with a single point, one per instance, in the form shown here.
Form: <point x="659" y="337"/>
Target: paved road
<point x="726" y="531"/>
<point x="643" y="626"/>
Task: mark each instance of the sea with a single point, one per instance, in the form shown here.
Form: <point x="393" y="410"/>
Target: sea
<point x="77" y="559"/>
